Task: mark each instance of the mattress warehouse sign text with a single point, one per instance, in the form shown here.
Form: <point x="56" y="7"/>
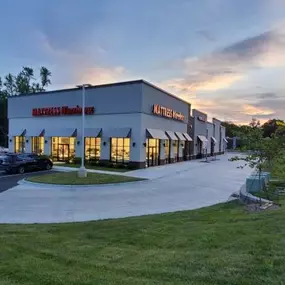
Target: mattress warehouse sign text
<point x="167" y="113"/>
<point x="61" y="111"/>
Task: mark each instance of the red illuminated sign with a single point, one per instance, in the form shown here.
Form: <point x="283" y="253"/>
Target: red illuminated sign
<point x="61" y="111"/>
<point x="167" y="112"/>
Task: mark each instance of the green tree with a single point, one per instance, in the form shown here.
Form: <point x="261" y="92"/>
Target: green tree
<point x="22" y="83"/>
<point x="271" y="126"/>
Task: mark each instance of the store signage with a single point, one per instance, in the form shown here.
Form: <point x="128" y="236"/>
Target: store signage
<point x="167" y="112"/>
<point x="62" y="111"/>
<point x="202" y="119"/>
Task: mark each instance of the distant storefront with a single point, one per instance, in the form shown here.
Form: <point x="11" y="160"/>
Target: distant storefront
<point x="132" y="123"/>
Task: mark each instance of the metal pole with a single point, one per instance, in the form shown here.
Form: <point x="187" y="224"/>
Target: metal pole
<point x="83" y="128"/>
<point x="82" y="171"/>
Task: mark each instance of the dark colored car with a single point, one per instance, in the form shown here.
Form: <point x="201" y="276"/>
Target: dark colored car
<point x="20" y="163"/>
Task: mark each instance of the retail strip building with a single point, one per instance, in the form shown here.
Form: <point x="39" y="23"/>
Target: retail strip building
<point x="133" y="123"/>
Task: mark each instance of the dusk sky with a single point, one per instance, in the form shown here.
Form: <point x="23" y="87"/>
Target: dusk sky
<point x="226" y="57"/>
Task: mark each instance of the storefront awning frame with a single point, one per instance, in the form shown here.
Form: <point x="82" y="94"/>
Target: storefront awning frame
<point x="156" y="134"/>
<point x="171" y="135"/>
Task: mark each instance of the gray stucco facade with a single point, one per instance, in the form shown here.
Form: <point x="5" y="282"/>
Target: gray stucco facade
<point x="121" y="109"/>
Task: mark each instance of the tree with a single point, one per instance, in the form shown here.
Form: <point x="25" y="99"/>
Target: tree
<point x="262" y="153"/>
<point x="271" y="126"/>
<point x="22" y="83"/>
<point x="231" y="129"/>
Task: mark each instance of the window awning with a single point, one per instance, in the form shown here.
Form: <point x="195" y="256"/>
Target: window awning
<point x="117" y="133"/>
<point x="64" y="132"/>
<point x="225" y="140"/>
<point x="18" y="133"/>
<point x="213" y="139"/>
<point x="35" y="132"/>
<point x="188" y="138"/>
<point x="180" y="136"/>
<point x="90" y="132"/>
<point x="156" y="134"/>
<point x="172" y="135"/>
<point x="202" y="138"/>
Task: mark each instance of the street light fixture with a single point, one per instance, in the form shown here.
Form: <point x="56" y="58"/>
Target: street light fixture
<point x="82" y="170"/>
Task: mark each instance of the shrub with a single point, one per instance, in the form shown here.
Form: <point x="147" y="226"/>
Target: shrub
<point x="131" y="167"/>
<point x="76" y="160"/>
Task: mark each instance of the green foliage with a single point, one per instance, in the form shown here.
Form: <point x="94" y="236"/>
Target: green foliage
<point x="262" y="153"/>
<point x="271" y="126"/>
<point x="24" y="82"/>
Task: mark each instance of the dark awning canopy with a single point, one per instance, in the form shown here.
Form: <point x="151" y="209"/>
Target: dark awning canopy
<point x="172" y="135"/>
<point x="180" y="136"/>
<point x="90" y="132"/>
<point x="156" y="134"/>
<point x="64" y="132"/>
<point x="117" y="133"/>
<point x="18" y="133"/>
<point x="214" y="139"/>
<point x="202" y="138"/>
<point x="35" y="132"/>
<point x="188" y="138"/>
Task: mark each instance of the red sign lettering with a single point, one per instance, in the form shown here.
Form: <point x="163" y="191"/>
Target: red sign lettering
<point x="61" y="111"/>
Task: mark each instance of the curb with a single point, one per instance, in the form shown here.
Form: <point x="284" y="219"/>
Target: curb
<point x="248" y="197"/>
<point x="44" y="185"/>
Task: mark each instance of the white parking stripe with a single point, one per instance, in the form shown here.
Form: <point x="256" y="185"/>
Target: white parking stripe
<point x="27" y="173"/>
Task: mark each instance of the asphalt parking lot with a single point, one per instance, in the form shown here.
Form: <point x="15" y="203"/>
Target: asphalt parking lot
<point x="8" y="181"/>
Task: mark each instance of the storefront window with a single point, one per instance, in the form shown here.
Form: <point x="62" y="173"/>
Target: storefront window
<point x="152" y="152"/>
<point x="19" y="144"/>
<point x="182" y="144"/>
<point x="38" y="145"/>
<point x="167" y="151"/>
<point x="175" y="150"/>
<point x="120" y="150"/>
<point x="63" y="148"/>
<point x="92" y="148"/>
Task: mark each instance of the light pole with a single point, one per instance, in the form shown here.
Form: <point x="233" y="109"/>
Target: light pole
<point x="82" y="170"/>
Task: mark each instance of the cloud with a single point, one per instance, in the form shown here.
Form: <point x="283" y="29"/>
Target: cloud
<point x="73" y="67"/>
<point x="256" y="112"/>
<point x="224" y="67"/>
<point x="207" y="35"/>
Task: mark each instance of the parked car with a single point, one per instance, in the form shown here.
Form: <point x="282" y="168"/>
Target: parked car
<point x="20" y="163"/>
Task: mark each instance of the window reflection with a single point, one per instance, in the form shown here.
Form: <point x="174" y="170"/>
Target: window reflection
<point x="38" y="145"/>
<point x="92" y="148"/>
<point x="63" y="148"/>
<point x="175" y="150"/>
<point x="167" y="151"/>
<point x="120" y="150"/>
<point x="19" y="144"/>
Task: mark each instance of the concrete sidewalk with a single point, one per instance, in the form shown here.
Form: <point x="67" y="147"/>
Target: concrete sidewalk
<point x="182" y="186"/>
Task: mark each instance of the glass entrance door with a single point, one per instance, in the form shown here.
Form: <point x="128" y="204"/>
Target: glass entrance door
<point x="152" y="152"/>
<point x="63" y="152"/>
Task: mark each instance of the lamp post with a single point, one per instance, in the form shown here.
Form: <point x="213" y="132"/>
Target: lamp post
<point x="82" y="170"/>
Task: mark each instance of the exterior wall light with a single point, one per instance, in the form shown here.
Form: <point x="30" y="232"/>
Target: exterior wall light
<point x="104" y="143"/>
<point x="164" y="144"/>
<point x="11" y="140"/>
<point x="134" y="144"/>
<point x="27" y="141"/>
<point x="78" y="142"/>
<point x="144" y="144"/>
<point x="46" y="141"/>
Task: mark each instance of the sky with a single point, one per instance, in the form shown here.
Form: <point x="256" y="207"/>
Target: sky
<point x="226" y="57"/>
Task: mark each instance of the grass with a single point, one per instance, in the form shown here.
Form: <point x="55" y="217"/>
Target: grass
<point x="96" y="167"/>
<point x="216" y="245"/>
<point x="71" y="178"/>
